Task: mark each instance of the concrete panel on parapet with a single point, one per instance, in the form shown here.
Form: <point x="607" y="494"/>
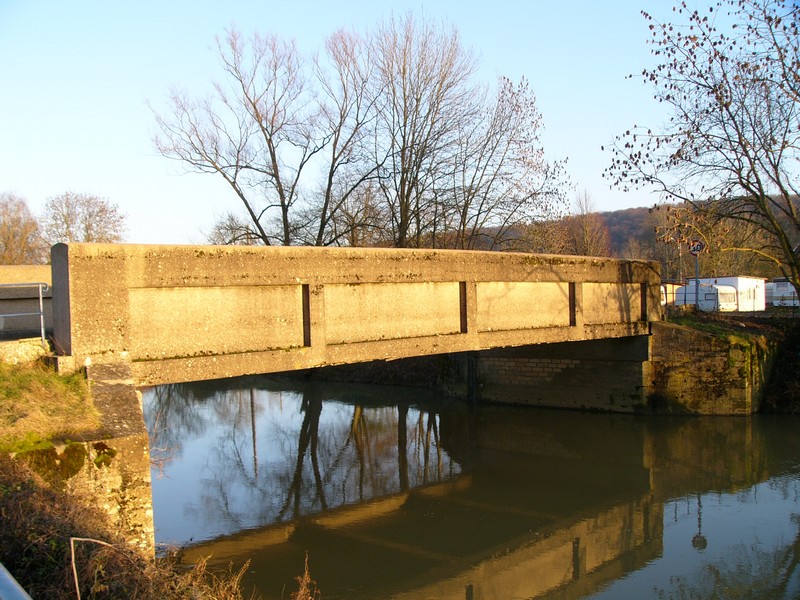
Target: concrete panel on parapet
<point x="196" y="321"/>
<point x="368" y="312"/>
<point x="20" y="296"/>
<point x="510" y="305"/>
<point x="612" y="303"/>
<point x="25" y="274"/>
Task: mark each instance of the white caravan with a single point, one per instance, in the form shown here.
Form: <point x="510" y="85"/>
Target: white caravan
<point x="751" y="292"/>
<point x="713" y="298"/>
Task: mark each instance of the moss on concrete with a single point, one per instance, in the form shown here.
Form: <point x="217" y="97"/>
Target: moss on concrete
<point x="729" y="371"/>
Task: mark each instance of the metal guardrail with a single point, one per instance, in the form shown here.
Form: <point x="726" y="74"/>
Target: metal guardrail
<point x="9" y="588"/>
<point x="42" y="287"/>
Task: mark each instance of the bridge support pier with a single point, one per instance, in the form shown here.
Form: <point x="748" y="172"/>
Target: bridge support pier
<point x="608" y="375"/>
<point x="117" y="474"/>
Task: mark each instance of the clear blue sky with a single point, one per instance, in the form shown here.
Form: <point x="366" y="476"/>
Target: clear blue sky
<point x="77" y="77"/>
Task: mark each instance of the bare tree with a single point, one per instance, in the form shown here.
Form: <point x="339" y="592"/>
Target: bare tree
<point x="672" y="252"/>
<point x="21" y="242"/>
<point x="360" y="219"/>
<point x="731" y="77"/>
<point x="426" y="95"/>
<point x="383" y="139"/>
<point x="232" y="230"/>
<point x="77" y="217"/>
<point x="346" y="113"/>
<point x="258" y="133"/>
<point x="277" y="128"/>
<point x="586" y="233"/>
<point x="728" y="241"/>
<point x="500" y="180"/>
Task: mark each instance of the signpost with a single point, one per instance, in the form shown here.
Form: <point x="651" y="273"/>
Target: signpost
<point x="695" y="248"/>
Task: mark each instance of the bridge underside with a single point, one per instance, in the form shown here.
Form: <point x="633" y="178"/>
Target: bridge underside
<point x="186" y="313"/>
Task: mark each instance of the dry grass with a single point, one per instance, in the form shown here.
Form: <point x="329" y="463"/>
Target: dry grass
<point x="306" y="587"/>
<point x="37" y="404"/>
<point x="56" y="547"/>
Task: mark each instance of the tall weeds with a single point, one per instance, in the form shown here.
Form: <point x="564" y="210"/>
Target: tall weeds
<point x="306" y="587"/>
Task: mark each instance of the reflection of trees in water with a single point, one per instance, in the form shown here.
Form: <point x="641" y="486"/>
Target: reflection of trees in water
<point x="270" y="461"/>
<point x="358" y="466"/>
<point x="428" y="439"/>
<point x="232" y="464"/>
<point x="402" y="447"/>
<point x="746" y="571"/>
<point x="174" y="413"/>
<point x="308" y="442"/>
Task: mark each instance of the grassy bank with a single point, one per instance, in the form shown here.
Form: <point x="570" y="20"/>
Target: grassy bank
<point x="54" y="547"/>
<point x="37" y="405"/>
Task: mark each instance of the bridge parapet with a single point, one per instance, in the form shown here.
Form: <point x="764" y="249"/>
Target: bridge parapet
<point x="183" y="313"/>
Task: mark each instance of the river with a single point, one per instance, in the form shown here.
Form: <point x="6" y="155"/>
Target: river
<point x="395" y="493"/>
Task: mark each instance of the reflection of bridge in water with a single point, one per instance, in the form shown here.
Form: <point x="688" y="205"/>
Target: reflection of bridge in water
<point x="578" y="555"/>
<point x="540" y="509"/>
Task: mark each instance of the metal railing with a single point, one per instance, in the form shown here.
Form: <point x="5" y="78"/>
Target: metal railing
<point x="42" y="287"/>
<point x="9" y="588"/>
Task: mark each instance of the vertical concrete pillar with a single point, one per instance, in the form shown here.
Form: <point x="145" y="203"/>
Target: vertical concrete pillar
<point x="118" y="476"/>
<point x="314" y="312"/>
<point x="469" y="307"/>
<point x="576" y="304"/>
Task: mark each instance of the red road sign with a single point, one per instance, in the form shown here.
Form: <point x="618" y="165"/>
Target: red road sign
<point x="696" y="247"/>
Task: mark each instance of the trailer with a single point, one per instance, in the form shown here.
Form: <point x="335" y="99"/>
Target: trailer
<point x="668" y="291"/>
<point x="783" y="293"/>
<point x="713" y="298"/>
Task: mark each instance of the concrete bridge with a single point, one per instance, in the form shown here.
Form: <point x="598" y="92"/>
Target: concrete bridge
<point x="185" y="313"/>
<point x="543" y="330"/>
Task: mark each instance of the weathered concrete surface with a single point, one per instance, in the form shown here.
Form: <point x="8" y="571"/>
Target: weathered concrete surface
<point x="25" y="274"/>
<point x="183" y="313"/>
<point x="22" y="351"/>
<point x="674" y="370"/>
<point x="116" y="474"/>
<point x="699" y="373"/>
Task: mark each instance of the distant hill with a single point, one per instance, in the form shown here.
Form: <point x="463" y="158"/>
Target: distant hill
<point x="626" y="224"/>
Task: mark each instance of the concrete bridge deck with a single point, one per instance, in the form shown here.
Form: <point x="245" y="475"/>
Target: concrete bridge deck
<point x="184" y="313"/>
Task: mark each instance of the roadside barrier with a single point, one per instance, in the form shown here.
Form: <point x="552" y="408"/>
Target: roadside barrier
<point x="9" y="588"/>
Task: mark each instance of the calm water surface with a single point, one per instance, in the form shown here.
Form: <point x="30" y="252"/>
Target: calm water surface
<point x="395" y="493"/>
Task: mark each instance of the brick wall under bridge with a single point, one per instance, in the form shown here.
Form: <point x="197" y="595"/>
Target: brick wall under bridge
<point x="185" y="313"/>
<point x="608" y="375"/>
